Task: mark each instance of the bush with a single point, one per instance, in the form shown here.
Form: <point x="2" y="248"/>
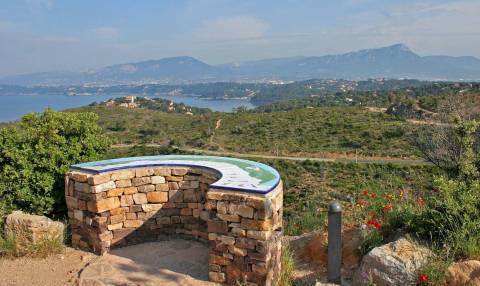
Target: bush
<point x="36" y="153"/>
<point x="452" y="218"/>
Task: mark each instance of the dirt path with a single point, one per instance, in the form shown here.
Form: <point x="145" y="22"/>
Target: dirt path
<point x="360" y="160"/>
<point x="57" y="270"/>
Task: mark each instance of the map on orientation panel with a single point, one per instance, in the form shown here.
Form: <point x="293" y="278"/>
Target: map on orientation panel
<point x="236" y="174"/>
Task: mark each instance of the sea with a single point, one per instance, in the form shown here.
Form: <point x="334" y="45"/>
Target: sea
<point x="13" y="107"/>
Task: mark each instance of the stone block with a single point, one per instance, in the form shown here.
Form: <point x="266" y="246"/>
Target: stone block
<point x="259" y="234"/>
<point x="161" y="187"/>
<point x="157" y="197"/>
<point x="82" y="187"/>
<point x="132" y="223"/>
<point x="140" y="198"/>
<point x="99" y="179"/>
<point x="151" y="207"/>
<point x="103" y="205"/>
<point x="229" y="218"/>
<point x="179" y="171"/>
<point x="117" y="218"/>
<point x="217" y="226"/>
<point x="146" y="188"/>
<point x="219" y="260"/>
<point x="126" y="200"/>
<point x="238" y="232"/>
<point x="227" y="240"/>
<point x="189" y="196"/>
<point x="158" y="180"/>
<point x="72" y="202"/>
<point x="174" y="178"/>
<point x="115" y="226"/>
<point x="217" y="277"/>
<point x="162" y="172"/>
<point x="252" y="224"/>
<point x="130" y="215"/>
<point x="241" y="210"/>
<point x="186" y="211"/>
<point x="115" y="192"/>
<point x="78" y="215"/>
<point x="130" y="190"/>
<point x="237" y="251"/>
<point x="123" y="183"/>
<point x="79" y="177"/>
<point x="144" y="172"/>
<point x="102" y="187"/>
<point x="222" y="207"/>
<point x="105" y="236"/>
<point x="123" y="175"/>
<point x="141" y="181"/>
<point x="188" y="184"/>
<point x="173" y="186"/>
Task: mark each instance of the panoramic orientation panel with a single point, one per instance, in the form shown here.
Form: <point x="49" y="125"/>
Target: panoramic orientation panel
<point x="236" y="174"/>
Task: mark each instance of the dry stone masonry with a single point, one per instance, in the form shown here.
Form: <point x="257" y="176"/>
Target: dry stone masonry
<point x="233" y="205"/>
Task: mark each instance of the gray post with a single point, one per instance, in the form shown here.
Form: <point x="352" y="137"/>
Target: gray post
<point x="334" y="265"/>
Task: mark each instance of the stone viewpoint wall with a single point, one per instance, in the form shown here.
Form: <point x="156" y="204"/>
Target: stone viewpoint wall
<point x="130" y="206"/>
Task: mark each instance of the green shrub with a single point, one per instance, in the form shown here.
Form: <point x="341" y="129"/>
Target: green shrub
<point x="371" y="238"/>
<point x="452" y="218"/>
<point x="36" y="153"/>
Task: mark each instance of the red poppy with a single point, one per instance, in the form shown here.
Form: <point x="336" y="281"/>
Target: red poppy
<point x="375" y="223"/>
<point x="364" y="193"/>
<point x="421" y="202"/>
<point x="361" y="203"/>
<point x="387" y="208"/>
<point x="422" y="278"/>
<point x="373" y="195"/>
<point x="390" y="197"/>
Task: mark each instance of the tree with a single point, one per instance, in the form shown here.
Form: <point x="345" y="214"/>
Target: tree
<point x="36" y="153"/>
<point x="453" y="144"/>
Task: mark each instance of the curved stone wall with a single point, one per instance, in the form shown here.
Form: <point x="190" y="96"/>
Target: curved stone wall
<point x="234" y="205"/>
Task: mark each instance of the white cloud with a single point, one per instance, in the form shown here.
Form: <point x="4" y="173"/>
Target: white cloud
<point x="233" y="28"/>
<point x="37" y="5"/>
<point x="107" y="33"/>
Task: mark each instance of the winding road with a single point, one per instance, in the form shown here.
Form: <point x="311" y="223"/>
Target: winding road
<point x="397" y="161"/>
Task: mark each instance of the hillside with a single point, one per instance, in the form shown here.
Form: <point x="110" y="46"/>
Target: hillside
<point x="306" y="131"/>
<point x="396" y="61"/>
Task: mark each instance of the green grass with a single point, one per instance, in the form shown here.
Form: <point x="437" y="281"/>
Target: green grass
<point x="307" y="131"/>
<point x="288" y="267"/>
<point x="17" y="245"/>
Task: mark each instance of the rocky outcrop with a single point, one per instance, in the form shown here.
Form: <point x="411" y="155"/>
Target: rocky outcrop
<point x="463" y="273"/>
<point x="395" y="263"/>
<point x="28" y="230"/>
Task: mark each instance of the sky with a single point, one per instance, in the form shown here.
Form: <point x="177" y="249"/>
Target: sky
<point x="49" y="35"/>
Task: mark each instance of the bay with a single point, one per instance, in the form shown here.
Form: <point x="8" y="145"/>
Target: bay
<point x="13" y="107"/>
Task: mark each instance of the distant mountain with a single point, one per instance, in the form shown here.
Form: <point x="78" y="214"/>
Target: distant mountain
<point x="396" y="61"/>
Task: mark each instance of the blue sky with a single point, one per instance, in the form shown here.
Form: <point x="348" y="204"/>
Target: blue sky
<point x="45" y="35"/>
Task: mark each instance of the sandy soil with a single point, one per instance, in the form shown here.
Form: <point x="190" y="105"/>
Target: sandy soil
<point x="57" y="270"/>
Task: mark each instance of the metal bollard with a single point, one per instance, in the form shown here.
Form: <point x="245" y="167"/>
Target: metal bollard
<point x="334" y="265"/>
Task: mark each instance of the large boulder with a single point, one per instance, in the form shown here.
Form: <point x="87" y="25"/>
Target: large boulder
<point x="463" y="273"/>
<point x="29" y="229"/>
<point x="395" y="263"/>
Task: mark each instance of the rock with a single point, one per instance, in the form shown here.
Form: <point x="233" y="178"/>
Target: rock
<point x="463" y="273"/>
<point x="313" y="249"/>
<point x="30" y="229"/>
<point x="392" y="264"/>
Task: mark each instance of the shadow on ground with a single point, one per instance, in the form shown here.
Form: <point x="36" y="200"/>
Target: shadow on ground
<point x="167" y="263"/>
